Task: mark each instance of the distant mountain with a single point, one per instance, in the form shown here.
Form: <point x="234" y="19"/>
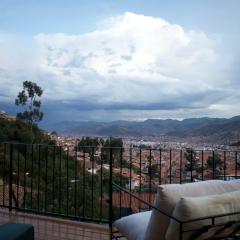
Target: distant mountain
<point x="225" y="128"/>
<point x="192" y="127"/>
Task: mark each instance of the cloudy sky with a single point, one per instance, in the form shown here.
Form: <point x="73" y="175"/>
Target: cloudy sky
<point x="123" y="59"/>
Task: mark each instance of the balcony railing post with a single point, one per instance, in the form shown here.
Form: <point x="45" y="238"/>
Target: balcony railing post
<point x="213" y="165"/>
<point x="110" y="192"/>
<point x="180" y="167"/>
<point x="10" y="177"/>
<point x="180" y="231"/>
<point x="191" y="162"/>
<point x="236" y="164"/>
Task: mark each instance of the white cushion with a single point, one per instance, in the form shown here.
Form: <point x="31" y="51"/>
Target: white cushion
<point x="196" y="207"/>
<point x="168" y="196"/>
<point x="134" y="226"/>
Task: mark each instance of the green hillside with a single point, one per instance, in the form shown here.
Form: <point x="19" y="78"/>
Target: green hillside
<point x="18" y="131"/>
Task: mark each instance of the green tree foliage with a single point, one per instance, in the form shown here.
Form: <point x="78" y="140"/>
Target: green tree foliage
<point x="192" y="160"/>
<point x="89" y="144"/>
<point x="29" y="99"/>
<point x="153" y="170"/>
<point x="215" y="162"/>
<point x="117" y="147"/>
<point x="18" y="131"/>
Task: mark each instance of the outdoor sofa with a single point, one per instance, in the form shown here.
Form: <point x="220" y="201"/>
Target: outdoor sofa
<point x="199" y="210"/>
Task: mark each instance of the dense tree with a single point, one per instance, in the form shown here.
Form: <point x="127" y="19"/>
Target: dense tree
<point x="18" y="131"/>
<point x="89" y="144"/>
<point x="215" y="164"/>
<point x="192" y="163"/>
<point x="116" y="144"/>
<point x="29" y="100"/>
<point x="153" y="170"/>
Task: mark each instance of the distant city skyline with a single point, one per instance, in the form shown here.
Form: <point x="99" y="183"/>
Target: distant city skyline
<point x="128" y="60"/>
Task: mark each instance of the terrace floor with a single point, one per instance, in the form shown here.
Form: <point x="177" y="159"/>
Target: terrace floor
<point x="49" y="228"/>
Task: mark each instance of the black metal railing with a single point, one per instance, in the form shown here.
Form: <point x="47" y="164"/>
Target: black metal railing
<point x="54" y="180"/>
<point x="76" y="182"/>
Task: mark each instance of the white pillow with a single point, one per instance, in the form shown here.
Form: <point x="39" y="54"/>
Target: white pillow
<point x="134" y="226"/>
<point x="168" y="196"/>
<point x="196" y="207"/>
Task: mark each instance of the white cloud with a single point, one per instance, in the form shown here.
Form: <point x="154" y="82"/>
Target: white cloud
<point x="131" y="60"/>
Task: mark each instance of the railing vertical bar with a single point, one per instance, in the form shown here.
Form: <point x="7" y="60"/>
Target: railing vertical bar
<point x="120" y="199"/>
<point x="38" y="191"/>
<point x="180" y="166"/>
<point x="84" y="175"/>
<point x="213" y="221"/>
<point x="75" y="182"/>
<point x="160" y="167"/>
<point x="224" y="165"/>
<point x="18" y="171"/>
<point x="191" y="163"/>
<point x="60" y="181"/>
<point x="67" y="180"/>
<point x="24" y="176"/>
<point x="92" y="183"/>
<point x="130" y="183"/>
<point x="101" y="189"/>
<point x="170" y="167"/>
<point x="46" y="176"/>
<point x="31" y="201"/>
<point x="140" y="187"/>
<point x="202" y="165"/>
<point x="180" y="231"/>
<point x="110" y="192"/>
<point x="53" y="177"/>
<point x="10" y="177"/>
<point x="236" y="164"/>
<point x="213" y="165"/>
<point x="4" y="171"/>
<point x="150" y="176"/>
